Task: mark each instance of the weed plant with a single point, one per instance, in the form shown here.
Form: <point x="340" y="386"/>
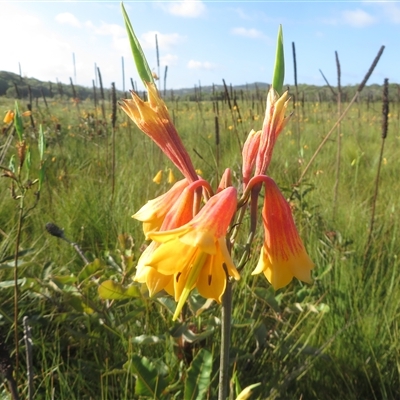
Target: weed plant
<point x="338" y="337"/>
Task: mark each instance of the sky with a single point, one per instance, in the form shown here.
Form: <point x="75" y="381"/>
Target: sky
<point x="201" y="42"/>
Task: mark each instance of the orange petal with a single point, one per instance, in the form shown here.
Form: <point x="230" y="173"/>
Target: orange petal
<point x="283" y="255"/>
<point x="9" y="117"/>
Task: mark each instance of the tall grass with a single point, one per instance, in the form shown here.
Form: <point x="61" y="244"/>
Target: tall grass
<point x="338" y="337"/>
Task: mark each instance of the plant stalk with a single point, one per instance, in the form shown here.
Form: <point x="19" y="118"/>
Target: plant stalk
<point x="17" y="241"/>
<point x="225" y="342"/>
<point x="358" y="91"/>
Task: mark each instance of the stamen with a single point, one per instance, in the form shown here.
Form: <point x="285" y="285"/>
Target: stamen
<point x="178" y="276"/>
<point x="209" y="280"/>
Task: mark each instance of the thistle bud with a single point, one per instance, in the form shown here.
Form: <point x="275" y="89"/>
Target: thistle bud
<point x="54" y="230"/>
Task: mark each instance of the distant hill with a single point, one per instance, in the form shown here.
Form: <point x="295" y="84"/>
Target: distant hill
<point x="14" y="86"/>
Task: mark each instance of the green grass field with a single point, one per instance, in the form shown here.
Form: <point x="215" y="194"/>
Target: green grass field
<point x="336" y="338"/>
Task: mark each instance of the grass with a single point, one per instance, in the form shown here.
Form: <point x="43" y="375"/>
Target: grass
<point x="338" y="337"/>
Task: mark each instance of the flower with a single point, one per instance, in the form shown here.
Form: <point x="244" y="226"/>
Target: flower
<point x="179" y="212"/>
<point x="194" y="254"/>
<point x="154" y="280"/>
<point x="283" y="255"/>
<point x="9" y="117"/>
<point x="171" y="176"/>
<point x="273" y="124"/>
<point x="249" y="154"/>
<point x="157" y="178"/>
<point x="226" y="180"/>
<point x="153" y="118"/>
<point x="152" y="214"/>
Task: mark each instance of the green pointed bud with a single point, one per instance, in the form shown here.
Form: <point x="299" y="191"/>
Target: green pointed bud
<point x="140" y="60"/>
<point x="279" y="68"/>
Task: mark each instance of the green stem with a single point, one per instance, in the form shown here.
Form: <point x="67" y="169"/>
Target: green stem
<point x="17" y="241"/>
<point x="225" y="342"/>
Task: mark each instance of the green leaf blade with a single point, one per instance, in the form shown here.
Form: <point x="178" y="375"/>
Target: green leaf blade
<point x="110" y="290"/>
<point x="199" y="376"/>
<point x="148" y="380"/>
<point x="279" y="68"/>
<point x="140" y="60"/>
<point x="18" y="124"/>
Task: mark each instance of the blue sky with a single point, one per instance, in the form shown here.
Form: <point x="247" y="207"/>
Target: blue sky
<point x="201" y="41"/>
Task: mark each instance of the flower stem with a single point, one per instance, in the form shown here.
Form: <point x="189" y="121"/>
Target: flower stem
<point x="225" y="342"/>
<point x="16" y="291"/>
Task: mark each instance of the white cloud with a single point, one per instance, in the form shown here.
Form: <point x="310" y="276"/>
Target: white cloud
<point x="242" y="14"/>
<point x="67" y="19"/>
<point x="40" y="52"/>
<point x="249" y="33"/>
<point x="116" y="32"/>
<point x="357" y="18"/>
<point x="185" y="8"/>
<point x="192" y="64"/>
<point x="106" y="29"/>
<point x="165" y="40"/>
<point x="169" y="59"/>
<point x="392" y="11"/>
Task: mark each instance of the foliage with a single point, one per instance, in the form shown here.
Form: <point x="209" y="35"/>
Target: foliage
<point x="97" y="335"/>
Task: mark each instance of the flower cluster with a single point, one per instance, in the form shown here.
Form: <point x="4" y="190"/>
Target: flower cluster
<point x="189" y="246"/>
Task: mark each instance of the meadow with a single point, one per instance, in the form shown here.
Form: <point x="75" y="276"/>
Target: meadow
<point x="96" y="335"/>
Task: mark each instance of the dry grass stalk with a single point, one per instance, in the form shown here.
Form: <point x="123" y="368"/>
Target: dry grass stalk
<point x="339" y="138"/>
<point x="227" y="97"/>
<point x="113" y="124"/>
<point x="44" y="99"/>
<point x="75" y="96"/>
<point x="165" y="80"/>
<point x="358" y="91"/>
<point x="385" y="125"/>
<point x="217" y="140"/>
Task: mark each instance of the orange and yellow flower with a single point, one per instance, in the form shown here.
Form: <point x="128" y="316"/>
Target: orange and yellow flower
<point x="153" y="118"/>
<point x="283" y="255"/>
<point x="249" y="154"/>
<point x="9" y="117"/>
<point x="273" y="124"/>
<point x="194" y="254"/>
<point x="165" y="213"/>
<point x="152" y="214"/>
<point x="158" y="177"/>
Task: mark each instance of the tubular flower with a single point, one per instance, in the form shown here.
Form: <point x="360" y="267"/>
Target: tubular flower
<point x="157" y="178"/>
<point x="195" y="254"/>
<point x="283" y="255"/>
<point x="179" y="212"/>
<point x="226" y="180"/>
<point x="9" y="117"/>
<point x="171" y="176"/>
<point x="152" y="214"/>
<point x="273" y="124"/>
<point x="153" y="118"/>
<point x="249" y="154"/>
<point x="154" y="280"/>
